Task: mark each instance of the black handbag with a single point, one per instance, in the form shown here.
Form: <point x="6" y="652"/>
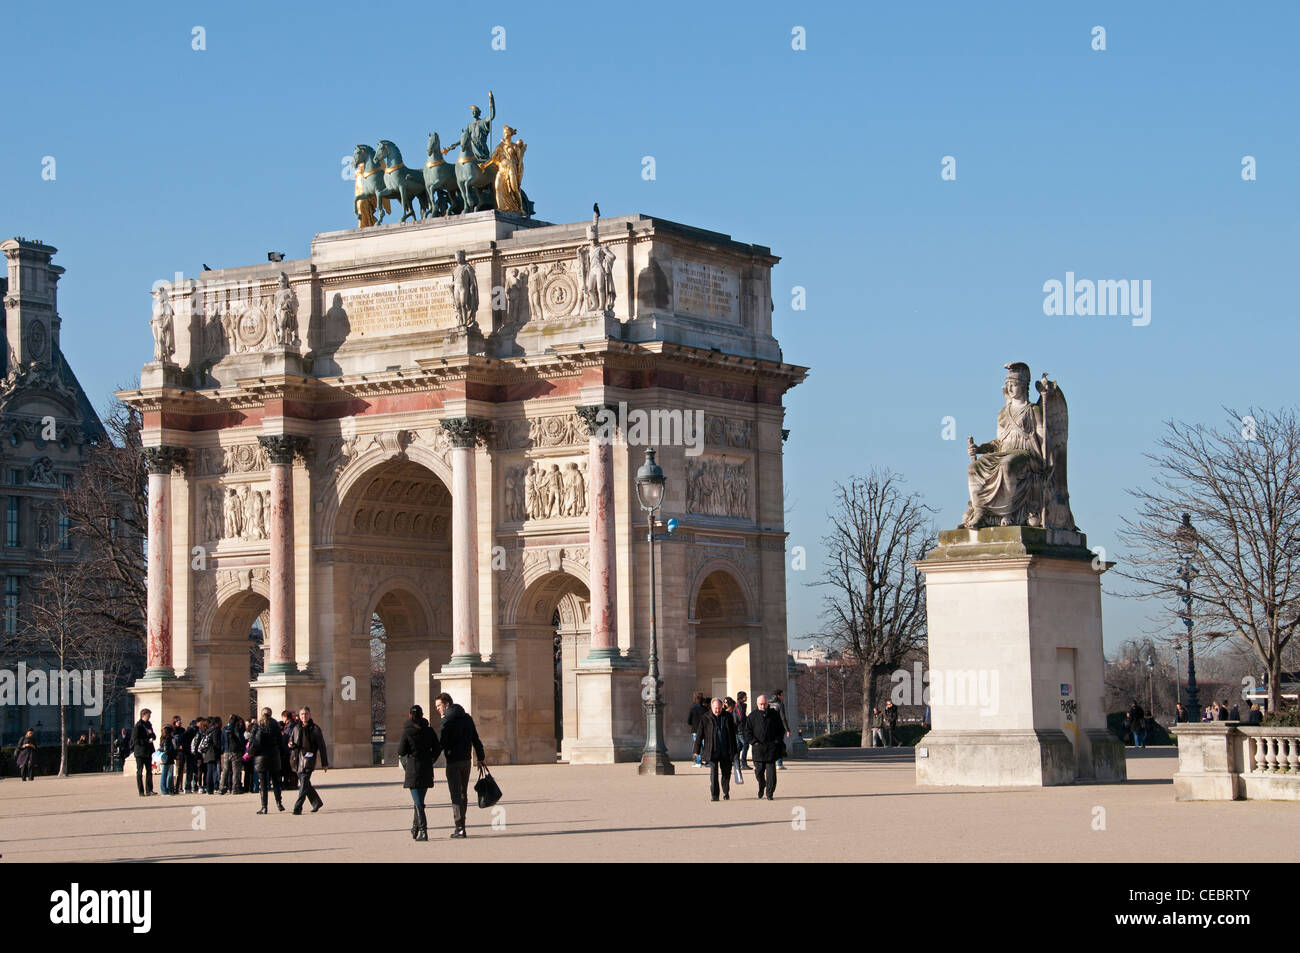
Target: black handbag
<point x="487" y="789"/>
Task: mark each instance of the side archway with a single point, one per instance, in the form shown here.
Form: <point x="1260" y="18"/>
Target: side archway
<point x="724" y="629"/>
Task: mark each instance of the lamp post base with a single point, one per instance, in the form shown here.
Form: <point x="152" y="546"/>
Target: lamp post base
<point x="654" y="762"/>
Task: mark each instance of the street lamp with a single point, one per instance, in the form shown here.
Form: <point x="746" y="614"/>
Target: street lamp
<point x="1151" y="683"/>
<point x="650" y="482"/>
<point x="1178" y="688"/>
<point x="1185" y="540"/>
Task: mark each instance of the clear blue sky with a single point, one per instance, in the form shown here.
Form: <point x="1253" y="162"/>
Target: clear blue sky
<point x="1117" y="164"/>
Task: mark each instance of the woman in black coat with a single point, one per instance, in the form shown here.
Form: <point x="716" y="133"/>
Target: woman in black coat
<point x="417" y="751"/>
<point x="265" y="745"/>
<point x="26" y="759"/>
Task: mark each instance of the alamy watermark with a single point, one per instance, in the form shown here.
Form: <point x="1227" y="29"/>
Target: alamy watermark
<point x="37" y="688"/>
<point x="652" y="428"/>
<point x="955" y="687"/>
<point x="1128" y="298"/>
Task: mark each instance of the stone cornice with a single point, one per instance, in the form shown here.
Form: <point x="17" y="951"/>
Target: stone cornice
<point x="432" y="375"/>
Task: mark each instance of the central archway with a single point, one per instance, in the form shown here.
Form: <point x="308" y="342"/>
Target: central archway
<point x="389" y="562"/>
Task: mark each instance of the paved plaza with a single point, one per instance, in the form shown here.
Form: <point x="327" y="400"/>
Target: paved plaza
<point x="860" y="806"/>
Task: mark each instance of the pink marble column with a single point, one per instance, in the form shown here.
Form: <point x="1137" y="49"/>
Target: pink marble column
<point x="465" y="434"/>
<point x="280" y="450"/>
<point x="600" y="423"/>
<point x="158" y="659"/>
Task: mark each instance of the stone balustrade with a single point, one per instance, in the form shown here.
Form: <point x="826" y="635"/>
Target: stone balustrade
<point x="1227" y="761"/>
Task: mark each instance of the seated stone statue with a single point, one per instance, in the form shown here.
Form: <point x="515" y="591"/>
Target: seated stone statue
<point x="1019" y="478"/>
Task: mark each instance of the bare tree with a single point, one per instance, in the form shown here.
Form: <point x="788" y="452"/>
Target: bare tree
<point x="875" y="610"/>
<point x="107" y="510"/>
<point x="1240" y="488"/>
<point x="54" y="625"/>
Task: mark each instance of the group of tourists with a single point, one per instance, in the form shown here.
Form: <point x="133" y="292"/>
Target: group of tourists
<point x="207" y="757"/>
<point x="1222" y="711"/>
<point x="723" y="732"/>
<point x="269" y="755"/>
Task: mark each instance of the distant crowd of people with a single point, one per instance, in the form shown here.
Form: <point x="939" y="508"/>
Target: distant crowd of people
<point x="205" y="757"/>
<point x="723" y="732"/>
<point x="1222" y="711"/>
<point x="268" y="756"/>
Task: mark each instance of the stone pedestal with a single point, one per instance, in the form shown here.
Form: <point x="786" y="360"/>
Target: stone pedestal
<point x="611" y="721"/>
<point x="481" y="690"/>
<point x="161" y="374"/>
<point x="1016" y="665"/>
<point x="1208" y="768"/>
<point x="467" y="341"/>
<point x="293" y="690"/>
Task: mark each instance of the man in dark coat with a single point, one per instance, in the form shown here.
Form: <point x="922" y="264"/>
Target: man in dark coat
<point x="142" y="738"/>
<point x="307" y="748"/>
<point x="766" y="731"/>
<point x="417" y="751"/>
<point x="1137" y="723"/>
<point x="891" y="722"/>
<point x="717" y="740"/>
<point x="458" y="736"/>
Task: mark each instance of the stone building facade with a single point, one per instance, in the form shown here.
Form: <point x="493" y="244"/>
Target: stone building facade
<point x="47" y="425"/>
<point x="406" y="424"/>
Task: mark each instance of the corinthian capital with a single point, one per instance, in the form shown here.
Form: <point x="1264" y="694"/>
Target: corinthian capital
<point x="282" y="448"/>
<point x="467" y="431"/>
<point x="164" y="459"/>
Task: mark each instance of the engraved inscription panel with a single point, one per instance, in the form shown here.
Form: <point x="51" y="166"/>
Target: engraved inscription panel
<point x="706" y="291"/>
<point x="399" y="307"/>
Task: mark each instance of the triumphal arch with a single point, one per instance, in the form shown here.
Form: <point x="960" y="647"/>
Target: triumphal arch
<point x="403" y="426"/>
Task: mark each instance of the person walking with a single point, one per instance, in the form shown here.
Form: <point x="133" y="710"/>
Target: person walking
<point x="697" y="710"/>
<point x="1234" y="713"/>
<point x="1137" y="724"/>
<point x="307" y="748"/>
<point x="1180" y="713"/>
<point x="265" y="742"/>
<point x="417" y="751"/>
<point x="777" y="703"/>
<point x="232" y="750"/>
<point x="142" y="739"/>
<point x="742" y="739"/>
<point x="891" y="722"/>
<point x="26" y="755"/>
<point x="766" y="733"/>
<point x="717" y="742"/>
<point x="877" y="728"/>
<point x="456" y="737"/>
